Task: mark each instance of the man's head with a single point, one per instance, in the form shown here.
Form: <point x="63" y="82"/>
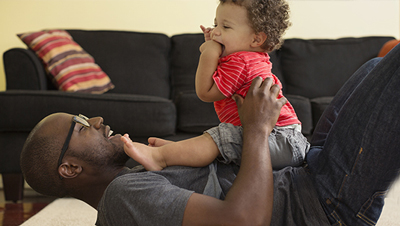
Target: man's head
<point x="89" y="151"/>
<point x="270" y="17"/>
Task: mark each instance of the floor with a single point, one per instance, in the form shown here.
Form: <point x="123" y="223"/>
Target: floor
<point x="12" y="214"/>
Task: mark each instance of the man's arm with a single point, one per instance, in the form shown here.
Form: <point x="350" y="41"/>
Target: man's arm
<point x="250" y="199"/>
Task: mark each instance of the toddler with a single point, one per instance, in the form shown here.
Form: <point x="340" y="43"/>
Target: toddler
<point x="235" y="52"/>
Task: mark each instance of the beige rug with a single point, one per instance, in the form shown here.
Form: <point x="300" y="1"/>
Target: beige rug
<point x="64" y="212"/>
<point x="69" y="211"/>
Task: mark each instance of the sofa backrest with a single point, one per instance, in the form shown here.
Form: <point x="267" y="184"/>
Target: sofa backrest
<point x="193" y="114"/>
<point x="319" y="67"/>
<point x="137" y="63"/>
<point x="306" y="68"/>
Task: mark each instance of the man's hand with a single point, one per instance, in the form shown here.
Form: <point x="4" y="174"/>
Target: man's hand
<point x="260" y="108"/>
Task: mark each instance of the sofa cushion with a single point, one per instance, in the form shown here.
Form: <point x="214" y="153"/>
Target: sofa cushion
<point x="318" y="106"/>
<point x="302" y="107"/>
<point x="136" y="62"/>
<point x="315" y="68"/>
<point x="194" y="115"/>
<point x="138" y="115"/>
<point x="70" y="67"/>
<point x="276" y="67"/>
<point x="185" y="48"/>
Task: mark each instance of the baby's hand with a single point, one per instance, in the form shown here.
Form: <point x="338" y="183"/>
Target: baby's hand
<point x="150" y="157"/>
<point x="206" y="32"/>
<point x="211" y="46"/>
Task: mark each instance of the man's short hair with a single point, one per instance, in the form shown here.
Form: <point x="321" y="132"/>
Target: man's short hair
<point x="39" y="163"/>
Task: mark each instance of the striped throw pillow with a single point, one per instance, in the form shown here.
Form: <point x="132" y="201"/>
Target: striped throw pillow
<point x="71" y="68"/>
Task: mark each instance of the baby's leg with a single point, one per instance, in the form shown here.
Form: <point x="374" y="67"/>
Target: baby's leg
<point x="195" y="152"/>
<point x="288" y="147"/>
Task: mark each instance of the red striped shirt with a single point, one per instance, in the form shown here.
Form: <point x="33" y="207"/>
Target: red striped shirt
<point x="234" y="75"/>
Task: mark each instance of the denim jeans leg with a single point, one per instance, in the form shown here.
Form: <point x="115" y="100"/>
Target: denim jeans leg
<point x="359" y="157"/>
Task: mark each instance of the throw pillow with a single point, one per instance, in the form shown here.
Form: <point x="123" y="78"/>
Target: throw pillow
<point x="389" y="45"/>
<point x="70" y="67"/>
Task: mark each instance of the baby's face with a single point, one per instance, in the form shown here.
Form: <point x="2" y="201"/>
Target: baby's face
<point x="232" y="29"/>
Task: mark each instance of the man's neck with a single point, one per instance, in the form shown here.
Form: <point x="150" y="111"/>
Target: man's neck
<point x="93" y="189"/>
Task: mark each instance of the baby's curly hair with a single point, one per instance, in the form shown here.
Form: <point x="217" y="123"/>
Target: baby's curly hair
<point x="268" y="16"/>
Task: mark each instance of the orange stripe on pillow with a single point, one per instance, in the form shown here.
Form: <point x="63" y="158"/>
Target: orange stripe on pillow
<point x="77" y="84"/>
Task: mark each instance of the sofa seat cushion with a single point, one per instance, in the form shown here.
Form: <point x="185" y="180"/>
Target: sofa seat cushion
<point x="71" y="67"/>
<point x="194" y="115"/>
<point x="318" y="106"/>
<point x="302" y="107"/>
<point x="138" y="115"/>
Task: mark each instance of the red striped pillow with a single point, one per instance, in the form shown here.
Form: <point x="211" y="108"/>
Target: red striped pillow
<point x="71" y="68"/>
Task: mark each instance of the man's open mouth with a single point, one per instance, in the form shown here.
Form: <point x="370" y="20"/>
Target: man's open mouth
<point x="109" y="132"/>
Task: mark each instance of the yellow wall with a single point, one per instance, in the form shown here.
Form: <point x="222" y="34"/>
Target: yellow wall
<point x="310" y="18"/>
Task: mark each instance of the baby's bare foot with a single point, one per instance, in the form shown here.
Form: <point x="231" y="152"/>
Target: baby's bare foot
<point x="157" y="142"/>
<point x="143" y="154"/>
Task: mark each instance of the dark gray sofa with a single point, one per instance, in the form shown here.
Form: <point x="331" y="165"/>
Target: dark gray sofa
<point x="154" y="92"/>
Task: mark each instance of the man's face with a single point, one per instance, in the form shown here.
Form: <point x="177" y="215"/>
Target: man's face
<point x="94" y="144"/>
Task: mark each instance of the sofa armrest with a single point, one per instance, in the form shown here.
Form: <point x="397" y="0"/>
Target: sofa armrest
<point x="302" y="106"/>
<point x="138" y="115"/>
<point x="24" y="70"/>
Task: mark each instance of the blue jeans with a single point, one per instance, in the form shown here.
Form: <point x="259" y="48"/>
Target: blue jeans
<point x="355" y="150"/>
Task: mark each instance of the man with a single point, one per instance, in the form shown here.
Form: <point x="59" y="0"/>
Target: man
<point x="354" y="147"/>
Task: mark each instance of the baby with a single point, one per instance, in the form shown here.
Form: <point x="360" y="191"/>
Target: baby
<point x="235" y="52"/>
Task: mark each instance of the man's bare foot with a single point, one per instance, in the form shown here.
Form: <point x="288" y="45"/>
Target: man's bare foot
<point x="149" y="157"/>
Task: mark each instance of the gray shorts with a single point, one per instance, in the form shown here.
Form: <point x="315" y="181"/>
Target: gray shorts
<point x="288" y="146"/>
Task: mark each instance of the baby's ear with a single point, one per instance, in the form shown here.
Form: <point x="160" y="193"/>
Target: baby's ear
<point x="259" y="39"/>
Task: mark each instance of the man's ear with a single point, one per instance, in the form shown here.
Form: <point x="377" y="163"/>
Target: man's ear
<point x="259" y="39"/>
<point x="69" y="170"/>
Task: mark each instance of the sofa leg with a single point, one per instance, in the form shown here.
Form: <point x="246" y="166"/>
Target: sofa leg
<point x="13" y="184"/>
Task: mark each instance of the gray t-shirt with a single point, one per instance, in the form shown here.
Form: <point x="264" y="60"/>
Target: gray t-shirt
<point x="138" y="197"/>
